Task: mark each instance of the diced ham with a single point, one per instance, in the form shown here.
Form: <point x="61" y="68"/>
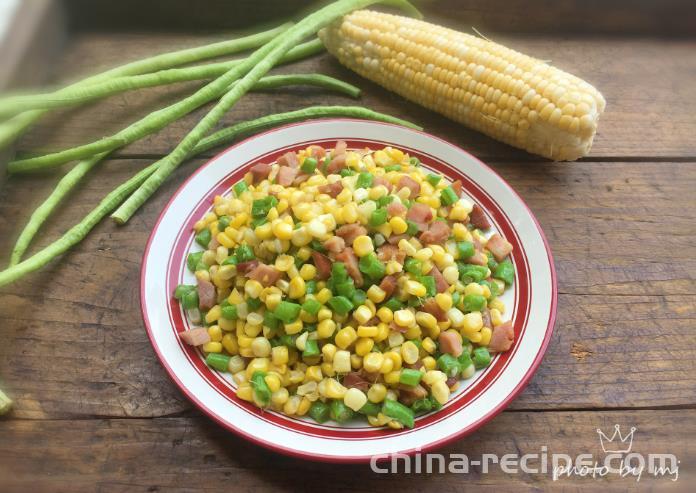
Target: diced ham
<point x="502" y="338"/>
<point x="267" y="275"/>
<point x="414" y="366"/>
<point x="457" y="187"/>
<point x="289" y="159"/>
<point x="340" y="148"/>
<point x="486" y="316"/>
<point x="350" y="232"/>
<point x="380" y="180"/>
<point x="408" y="395"/>
<point x="244" y="268"/>
<point x="437" y="233"/>
<point x="348" y="257"/>
<point x="441" y="284"/>
<point x="336" y="164"/>
<point x="355" y="380"/>
<point x="434" y="309"/>
<point x="206" y="295"/>
<point x="478" y="218"/>
<point x="332" y="189"/>
<point x="316" y="151"/>
<point x="260" y="171"/>
<point x="478" y="258"/>
<point x="451" y="381"/>
<point x="390" y="252"/>
<point x="388" y="285"/>
<point x="410" y="183"/>
<point x="195" y="337"/>
<point x="323" y="265"/>
<point x="499" y="247"/>
<point x="396" y="209"/>
<point x="420" y="213"/>
<point x="286" y="175"/>
<point x="301" y="178"/>
<point x="395" y="239"/>
<point x="335" y="244"/>
<point x="450" y="344"/>
<point x="214" y="243"/>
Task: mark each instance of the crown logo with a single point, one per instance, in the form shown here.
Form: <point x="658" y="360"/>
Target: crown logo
<point x="611" y="445"/>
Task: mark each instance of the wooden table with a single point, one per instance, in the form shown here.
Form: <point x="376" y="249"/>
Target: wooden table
<point x="94" y="410"/>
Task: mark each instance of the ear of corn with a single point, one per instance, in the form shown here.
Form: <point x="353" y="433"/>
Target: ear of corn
<point x="509" y="96"/>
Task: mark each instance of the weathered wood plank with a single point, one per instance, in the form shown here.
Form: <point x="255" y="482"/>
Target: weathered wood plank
<point x="637" y="122"/>
<point x="194" y="454"/>
<point x="75" y="345"/>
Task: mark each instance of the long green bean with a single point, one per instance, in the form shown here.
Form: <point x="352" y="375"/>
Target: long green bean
<point x="72" y="96"/>
<point x="13" y="128"/>
<point x="73" y="177"/>
<point x="78" y="232"/>
<point x="264" y="61"/>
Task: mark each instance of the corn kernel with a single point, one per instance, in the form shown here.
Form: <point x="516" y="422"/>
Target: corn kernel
<point x="341" y="361"/>
<point x="279" y="355"/>
<point x="404" y="318"/>
<point x="213" y="314"/>
<point x="294" y="327"/>
<point x="415" y="288"/>
<point x="409" y="352"/>
<point x="362" y="245"/>
<point x="377" y="393"/>
<point x="273" y="382"/>
<point x="395" y="357"/>
<point x="345" y="337"/>
<point x="440" y="391"/>
<point x="497" y="304"/>
<point x="280" y="397"/>
<point x="429" y="363"/>
<point x="215" y="333"/>
<point x="334" y="390"/>
<point x="496" y="317"/>
<point x="367" y="331"/>
<point x="362" y="314"/>
<point x="427" y="320"/>
<point x="385" y="314"/>
<point x="364" y="345"/>
<point x="473" y="288"/>
<point x="229" y="342"/>
<point x="212" y="347"/>
<point x="444" y="301"/>
<point x="297" y="288"/>
<point x="392" y="377"/>
<point x="428" y="345"/>
<point x="323" y="296"/>
<point x="308" y="272"/>
<point x="376" y="294"/>
<point x="474" y="337"/>
<point x="372" y="362"/>
<point x="473" y="322"/>
<point x="313" y="374"/>
<point x="324" y="314"/>
<point x="245" y="392"/>
<point x="355" y="361"/>
<point x="354" y="399"/>
<point x="432" y="376"/>
<point x="253" y="288"/>
<point x="398" y="225"/>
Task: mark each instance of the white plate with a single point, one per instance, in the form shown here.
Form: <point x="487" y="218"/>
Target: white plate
<point x="531" y="304"/>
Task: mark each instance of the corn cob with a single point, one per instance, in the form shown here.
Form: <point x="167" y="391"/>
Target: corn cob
<point x="509" y="96"/>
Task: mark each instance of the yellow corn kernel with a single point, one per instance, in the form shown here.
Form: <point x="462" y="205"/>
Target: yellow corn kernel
<point x="398" y="225"/>
<point x="284" y="262"/>
<point x="440" y="391"/>
<point x="256" y="364"/>
<point x="246" y="352"/>
<point x="496" y="317"/>
<point x="213" y="314"/>
<point x="229" y="342"/>
<point x="362" y="245"/>
<point x="432" y="376"/>
<point x="427" y="320"/>
<point x="486" y="334"/>
<point x="324" y="314"/>
<point x="328" y="351"/>
<point x="326" y="328"/>
<point x="273" y="381"/>
<point x="404" y="318"/>
<point x="382" y="332"/>
<point x="393" y="267"/>
<point x="225" y="240"/>
<point x="292" y="405"/>
<point x="392" y="378"/>
<point x="367" y="331"/>
<point x="409" y="352"/>
<point x="429" y="345"/>
<point x="415" y="288"/>
<point x="313" y="374"/>
<point x="294" y="327"/>
<point x="413" y="332"/>
<point x="473" y="288"/>
<point x="297" y="288"/>
<point x="280" y="397"/>
<point x="345" y="337"/>
<point x="372" y="362"/>
<point x="281" y="229"/>
<point x="215" y="333"/>
<point x="444" y="301"/>
<point x="327" y="369"/>
<point x="304" y="406"/>
<point x="473" y="322"/>
<point x="323" y="296"/>
<point x="474" y="337"/>
<point x="279" y="355"/>
<point x="334" y="390"/>
<point x="497" y="304"/>
<point x="245" y="392"/>
<point x="264" y="231"/>
<point x="355" y="399"/>
<point x="362" y="314"/>
<point x="429" y="363"/>
<point x="308" y="272"/>
<point x="395" y="357"/>
<point x="212" y="347"/>
<point x="376" y="393"/>
<point x="387" y="366"/>
<point x="364" y="345"/>
<point x="385" y="314"/>
<point x="407" y="247"/>
<point x="341" y="361"/>
<point x="253" y="288"/>
<point x="376" y="294"/>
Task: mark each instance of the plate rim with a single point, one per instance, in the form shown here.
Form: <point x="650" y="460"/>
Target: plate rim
<point x="288" y="451"/>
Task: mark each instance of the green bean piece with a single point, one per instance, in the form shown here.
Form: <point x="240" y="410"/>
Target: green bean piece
<point x="413" y="266"/>
<point x="309" y="165"/>
<point x="319" y="412"/>
<point x="364" y="180"/>
<point x="244" y="253"/>
<point x="399" y="412"/>
<point x="505" y="271"/>
<point x="223" y="222"/>
<point x="448" y="365"/>
<point x="311" y="349"/>
<point x="422" y="406"/>
<point x="340" y="304"/>
<point x="262" y="394"/>
<point x="370" y="265"/>
<point x="193" y="259"/>
<point x="474" y="302"/>
<point x="240" y="187"/>
<point x="270" y="320"/>
<point x="340" y="413"/>
<point x="412" y="228"/>
<point x="429" y="283"/>
<point x="378" y="217"/>
<point x="392" y="167"/>
<point x="311" y="306"/>
<point x="311" y="287"/>
<point x="410" y="377"/>
<point x="230" y="312"/>
<point x="394" y="304"/>
<point x="218" y="361"/>
<point x="287" y="311"/>
<point x="370" y="409"/>
<point x="471" y="273"/>
<point x="345" y="289"/>
<point x="414" y="161"/>
<point x="448" y="196"/>
<point x="481" y="357"/>
<point x="288" y="340"/>
<point x="253" y="304"/>
<point x="465" y="249"/>
<point x="359" y="297"/>
<point x="203" y="238"/>
<point x="433" y="179"/>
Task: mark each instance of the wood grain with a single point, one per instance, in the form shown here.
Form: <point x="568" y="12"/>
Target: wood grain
<point x="627" y="278"/>
<point x="194" y="454"/>
<point x="653" y="118"/>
